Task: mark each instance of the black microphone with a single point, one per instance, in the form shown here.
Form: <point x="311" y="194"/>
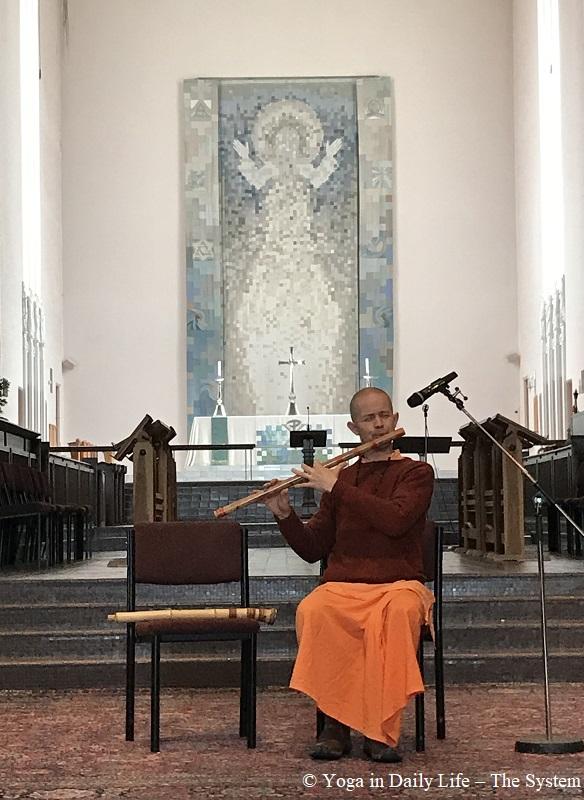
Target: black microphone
<point x="417" y="398"/>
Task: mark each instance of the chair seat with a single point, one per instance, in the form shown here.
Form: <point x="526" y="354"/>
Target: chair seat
<point x="195" y="626"/>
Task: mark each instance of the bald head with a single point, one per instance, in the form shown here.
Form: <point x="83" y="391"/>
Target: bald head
<point x="366" y="394"/>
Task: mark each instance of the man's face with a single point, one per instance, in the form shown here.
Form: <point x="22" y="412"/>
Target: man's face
<point x="374" y="417"/>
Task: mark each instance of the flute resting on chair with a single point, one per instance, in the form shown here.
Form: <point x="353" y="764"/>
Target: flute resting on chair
<point x="358" y="632"/>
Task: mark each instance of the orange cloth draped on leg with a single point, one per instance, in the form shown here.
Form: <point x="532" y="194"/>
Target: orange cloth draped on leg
<point x="357" y="652"/>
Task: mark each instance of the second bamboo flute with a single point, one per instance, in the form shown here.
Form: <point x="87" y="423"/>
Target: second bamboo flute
<point x="296" y="479"/>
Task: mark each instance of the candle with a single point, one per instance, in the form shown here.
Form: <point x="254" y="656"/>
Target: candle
<point x="366" y="366"/>
<point x="218" y="369"/>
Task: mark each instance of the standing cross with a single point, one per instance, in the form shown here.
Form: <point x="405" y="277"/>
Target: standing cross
<point x="292" y="362"/>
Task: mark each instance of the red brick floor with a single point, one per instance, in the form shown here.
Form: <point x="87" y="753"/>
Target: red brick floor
<point x="70" y="746"/>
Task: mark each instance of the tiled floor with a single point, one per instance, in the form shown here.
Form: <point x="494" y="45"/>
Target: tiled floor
<point x="279" y="561"/>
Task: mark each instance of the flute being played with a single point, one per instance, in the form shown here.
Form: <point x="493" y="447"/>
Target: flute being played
<point x="267" y="615"/>
<point x="262" y="494"/>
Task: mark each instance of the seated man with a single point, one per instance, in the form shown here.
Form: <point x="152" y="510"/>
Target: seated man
<point x="358" y="632"/>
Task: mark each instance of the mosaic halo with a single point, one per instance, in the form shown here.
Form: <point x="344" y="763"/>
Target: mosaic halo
<point x="286" y="125"/>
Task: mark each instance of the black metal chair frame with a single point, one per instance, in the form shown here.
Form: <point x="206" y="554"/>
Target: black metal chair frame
<point x="248" y="659"/>
<point x="425" y="635"/>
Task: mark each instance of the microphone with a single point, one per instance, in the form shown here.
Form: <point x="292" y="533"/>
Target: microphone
<point x="417" y="398"/>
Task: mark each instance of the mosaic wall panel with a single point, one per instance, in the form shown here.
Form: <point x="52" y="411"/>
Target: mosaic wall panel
<point x="289" y="240"/>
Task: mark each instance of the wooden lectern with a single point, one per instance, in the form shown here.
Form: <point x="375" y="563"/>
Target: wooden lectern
<point x="490" y="488"/>
<point x="154" y="479"/>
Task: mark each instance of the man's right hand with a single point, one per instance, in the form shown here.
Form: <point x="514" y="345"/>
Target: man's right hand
<point x="279" y="504"/>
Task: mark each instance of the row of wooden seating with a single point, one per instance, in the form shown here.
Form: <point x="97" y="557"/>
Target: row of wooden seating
<point x="73" y="489"/>
<point x="33" y="527"/>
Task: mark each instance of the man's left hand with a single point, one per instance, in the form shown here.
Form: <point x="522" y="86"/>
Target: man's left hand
<point x="319" y="477"/>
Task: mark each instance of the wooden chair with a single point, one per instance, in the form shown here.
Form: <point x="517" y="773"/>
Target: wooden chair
<point x="188" y="553"/>
<point x="432" y="561"/>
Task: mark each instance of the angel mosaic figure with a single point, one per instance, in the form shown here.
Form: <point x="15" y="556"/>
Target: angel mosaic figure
<point x="290" y="258"/>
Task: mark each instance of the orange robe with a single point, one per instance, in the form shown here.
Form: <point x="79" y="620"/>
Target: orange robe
<point x="357" y="652"/>
<point x="358" y="633"/>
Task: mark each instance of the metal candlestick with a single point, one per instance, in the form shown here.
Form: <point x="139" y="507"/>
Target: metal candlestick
<point x="219" y="407"/>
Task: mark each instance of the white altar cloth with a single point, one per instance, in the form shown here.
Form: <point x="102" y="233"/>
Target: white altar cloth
<point x="270" y="434"/>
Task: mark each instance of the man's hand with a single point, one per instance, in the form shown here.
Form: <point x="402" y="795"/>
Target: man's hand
<point x="279" y="504"/>
<point x="319" y="477"/>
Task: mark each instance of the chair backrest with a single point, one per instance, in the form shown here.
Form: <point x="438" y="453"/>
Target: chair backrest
<point x="432" y="564"/>
<point x="432" y="553"/>
<point x="199" y="552"/>
<point x="429" y="554"/>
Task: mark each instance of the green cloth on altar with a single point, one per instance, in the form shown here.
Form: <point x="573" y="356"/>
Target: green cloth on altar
<point x="219" y="436"/>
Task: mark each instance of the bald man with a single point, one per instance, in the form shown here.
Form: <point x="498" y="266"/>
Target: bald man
<point x="358" y="631"/>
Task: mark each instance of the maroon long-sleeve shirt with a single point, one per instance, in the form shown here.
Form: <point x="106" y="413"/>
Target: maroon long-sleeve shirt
<point x="370" y="526"/>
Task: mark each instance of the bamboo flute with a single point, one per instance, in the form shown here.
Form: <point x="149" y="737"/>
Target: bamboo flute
<point x="296" y="479"/>
<point x="267" y="615"/>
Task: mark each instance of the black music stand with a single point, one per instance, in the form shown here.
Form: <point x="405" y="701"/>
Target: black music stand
<point x="414" y="444"/>
<point x="308" y="440"/>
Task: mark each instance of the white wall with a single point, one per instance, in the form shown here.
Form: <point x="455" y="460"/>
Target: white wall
<point x="10" y="222"/>
<point x="10" y="199"/>
<point x="527" y="188"/>
<point x="529" y="222"/>
<point x="51" y="211"/>
<point x="122" y="182"/>
<point x="572" y="71"/>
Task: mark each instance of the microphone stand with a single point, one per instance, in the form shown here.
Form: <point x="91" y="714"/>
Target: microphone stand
<point x="308" y="501"/>
<point x="425" y="409"/>
<point x="540" y="744"/>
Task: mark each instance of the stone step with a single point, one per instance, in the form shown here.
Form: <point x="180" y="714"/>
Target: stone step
<point x="266" y="590"/>
<point x="471" y="610"/>
<point x="272" y="671"/>
<point x="512" y="667"/>
<point x="86" y="616"/>
<point x="98" y="642"/>
<point x="112" y="592"/>
<point x="513" y="636"/>
<point x="71" y="644"/>
<point x="456" y="611"/>
<point x="47" y="673"/>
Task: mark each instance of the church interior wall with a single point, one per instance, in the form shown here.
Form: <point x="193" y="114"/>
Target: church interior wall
<point x="123" y="231"/>
<point x="51" y="232"/>
<point x="572" y="66"/>
<point x="11" y="263"/>
<point x="10" y="253"/>
<point x="527" y="188"/>
<point x="530" y="221"/>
